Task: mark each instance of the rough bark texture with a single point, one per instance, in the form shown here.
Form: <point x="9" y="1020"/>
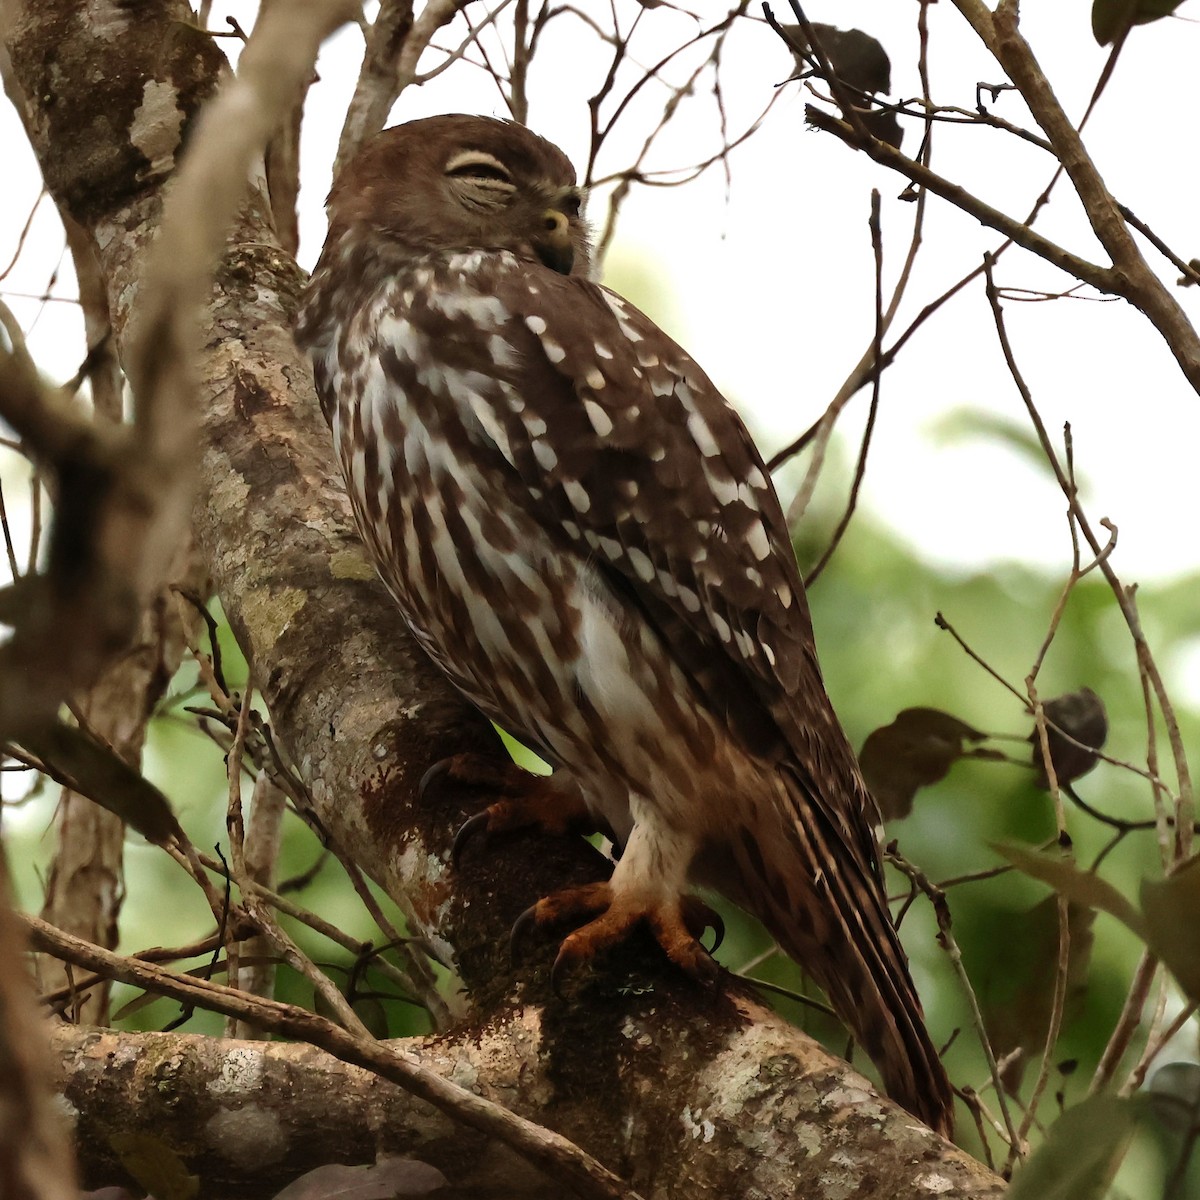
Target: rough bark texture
<point x="691" y="1093"/>
<point x="766" y="1115"/>
<point x="35" y="1152"/>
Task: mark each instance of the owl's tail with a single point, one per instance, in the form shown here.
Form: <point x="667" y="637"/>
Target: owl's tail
<point x="827" y="908"/>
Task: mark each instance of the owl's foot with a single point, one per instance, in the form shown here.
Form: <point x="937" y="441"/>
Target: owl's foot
<point x="527" y="801"/>
<point x="607" y="917"/>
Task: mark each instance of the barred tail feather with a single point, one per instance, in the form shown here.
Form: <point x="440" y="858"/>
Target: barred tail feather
<point x="827" y="908"/>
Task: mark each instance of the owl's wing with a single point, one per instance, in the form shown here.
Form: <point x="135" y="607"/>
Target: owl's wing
<point x="627" y="446"/>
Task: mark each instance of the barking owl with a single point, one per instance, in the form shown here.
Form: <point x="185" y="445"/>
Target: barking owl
<point x="581" y="534"/>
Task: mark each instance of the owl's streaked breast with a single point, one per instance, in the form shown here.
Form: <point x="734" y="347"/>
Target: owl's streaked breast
<point x="526" y="626"/>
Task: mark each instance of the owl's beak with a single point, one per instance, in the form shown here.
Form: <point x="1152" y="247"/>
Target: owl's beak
<point x="554" y="245"/>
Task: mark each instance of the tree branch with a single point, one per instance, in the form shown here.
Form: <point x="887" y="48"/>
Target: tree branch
<point x="700" y="1111"/>
<point x="539" y="1145"/>
<point x="1104" y="279"/>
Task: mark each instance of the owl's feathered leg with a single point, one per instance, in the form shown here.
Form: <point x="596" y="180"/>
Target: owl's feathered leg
<point x="647" y="888"/>
<point x="607" y="917"/>
<point x="605" y="913"/>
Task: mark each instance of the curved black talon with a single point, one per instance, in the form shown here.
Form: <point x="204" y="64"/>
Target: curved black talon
<point x="466" y="831"/>
<point x="558" y="974"/>
<point x="432" y="774"/>
<point x="699" y="916"/>
<point x="520" y="931"/>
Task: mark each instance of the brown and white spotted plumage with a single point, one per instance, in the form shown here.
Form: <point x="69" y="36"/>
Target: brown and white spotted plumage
<point x="581" y="534"/>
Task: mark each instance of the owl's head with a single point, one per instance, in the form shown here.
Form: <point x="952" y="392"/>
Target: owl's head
<point x="461" y="182"/>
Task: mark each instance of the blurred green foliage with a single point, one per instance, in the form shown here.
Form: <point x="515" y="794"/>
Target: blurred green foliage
<point x="873" y="611"/>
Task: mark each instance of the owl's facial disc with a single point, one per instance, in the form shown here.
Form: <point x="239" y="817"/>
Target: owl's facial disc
<point x="507" y="205"/>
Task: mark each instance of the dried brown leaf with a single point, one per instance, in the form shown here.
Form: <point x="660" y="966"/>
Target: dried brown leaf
<point x="1082" y="716"/>
<point x="858" y="59"/>
<point x="92" y="769"/>
<point x="918" y="748"/>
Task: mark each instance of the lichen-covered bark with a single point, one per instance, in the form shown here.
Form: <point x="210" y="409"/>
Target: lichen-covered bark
<point x="687" y="1091"/>
<point x="760" y="1114"/>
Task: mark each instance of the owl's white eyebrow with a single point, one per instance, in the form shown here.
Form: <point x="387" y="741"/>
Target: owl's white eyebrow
<point x="475" y="158"/>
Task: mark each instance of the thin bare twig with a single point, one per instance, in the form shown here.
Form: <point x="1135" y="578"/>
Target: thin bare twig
<point x="860" y="466"/>
<point x="562" y="1159"/>
<point x="1063" y="962"/>
<point x="873" y="361"/>
<point x="1127" y="1023"/>
<point x="941" y="909"/>
<point x="1125" y="597"/>
<point x="258" y="911"/>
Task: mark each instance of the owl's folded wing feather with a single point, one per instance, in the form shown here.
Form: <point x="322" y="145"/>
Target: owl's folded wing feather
<point x="605" y="419"/>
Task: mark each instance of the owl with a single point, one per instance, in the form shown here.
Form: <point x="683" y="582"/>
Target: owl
<point x="581" y="534"/>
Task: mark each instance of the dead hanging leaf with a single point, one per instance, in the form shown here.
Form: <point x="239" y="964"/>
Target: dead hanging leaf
<point x="1172" y="910"/>
<point x="1112" y="18"/>
<point x="389" y="1179"/>
<point x="1017" y="997"/>
<point x="75" y="759"/>
<point x="860" y="62"/>
<point x="1081" y="1153"/>
<point x="858" y="59"/>
<point x="1081" y="715"/>
<point x="918" y="748"/>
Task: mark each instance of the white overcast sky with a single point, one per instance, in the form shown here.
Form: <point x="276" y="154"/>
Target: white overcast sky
<point x="769" y="284"/>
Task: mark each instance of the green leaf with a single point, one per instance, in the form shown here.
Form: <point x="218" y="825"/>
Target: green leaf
<point x="1172" y="908"/>
<point x="1017" y="994"/>
<point x="155" y="1166"/>
<point x="967" y="424"/>
<point x="1080" y="886"/>
<point x="1081" y="1152"/>
<point x="1169" y="922"/>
